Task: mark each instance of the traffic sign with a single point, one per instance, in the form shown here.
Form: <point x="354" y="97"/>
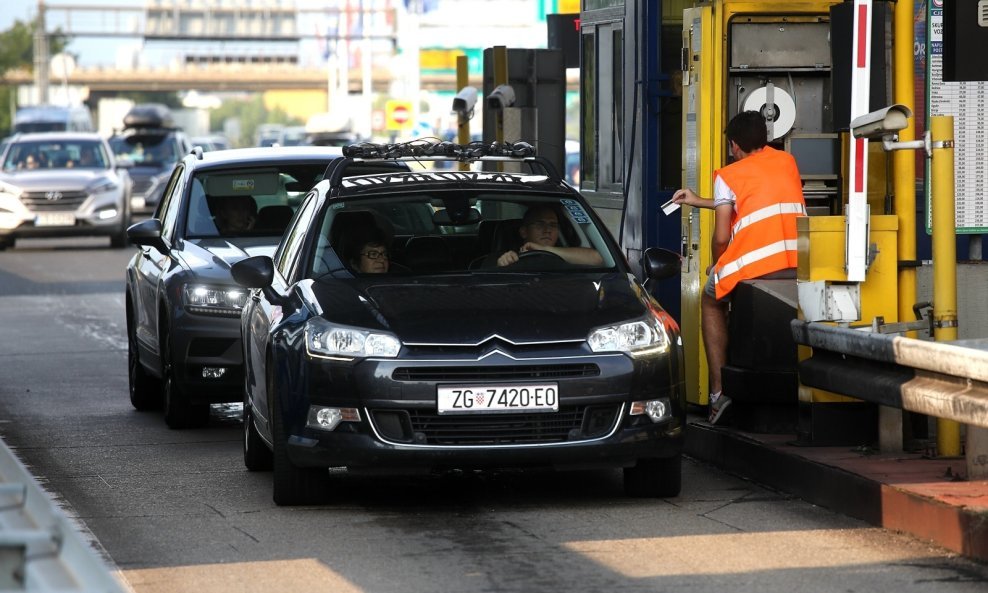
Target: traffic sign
<point x="398" y="115"/>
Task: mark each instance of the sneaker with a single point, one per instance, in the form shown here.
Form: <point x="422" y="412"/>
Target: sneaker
<point x="717" y="408"/>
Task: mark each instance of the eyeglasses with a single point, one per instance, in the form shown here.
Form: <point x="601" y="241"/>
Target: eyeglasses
<point x="375" y="254"/>
<point x="544" y="226"/>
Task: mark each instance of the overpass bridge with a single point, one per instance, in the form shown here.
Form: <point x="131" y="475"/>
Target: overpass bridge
<point x="229" y="77"/>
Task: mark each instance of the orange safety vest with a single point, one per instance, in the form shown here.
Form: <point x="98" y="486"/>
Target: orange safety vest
<point x="769" y="197"/>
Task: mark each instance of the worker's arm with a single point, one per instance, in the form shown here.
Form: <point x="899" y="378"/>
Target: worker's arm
<point x="689" y="197"/>
<point x="722" y="230"/>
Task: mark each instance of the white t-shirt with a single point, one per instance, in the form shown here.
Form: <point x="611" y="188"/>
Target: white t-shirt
<point x="723" y="194"/>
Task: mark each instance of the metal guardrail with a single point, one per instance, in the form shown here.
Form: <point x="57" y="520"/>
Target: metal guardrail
<point x="945" y="380"/>
<point x="40" y="548"/>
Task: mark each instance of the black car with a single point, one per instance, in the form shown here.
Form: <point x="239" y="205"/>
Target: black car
<point x="449" y="359"/>
<point x="183" y="307"/>
<point x="150" y="144"/>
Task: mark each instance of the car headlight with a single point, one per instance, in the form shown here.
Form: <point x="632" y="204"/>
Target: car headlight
<point x="103" y="186"/>
<point x="324" y="339"/>
<point x="214" y="300"/>
<point x="6" y="188"/>
<point x="640" y="338"/>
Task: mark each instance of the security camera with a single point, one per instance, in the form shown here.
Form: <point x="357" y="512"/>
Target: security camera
<point x="464" y="102"/>
<point x="881" y="123"/>
<point x="501" y="97"/>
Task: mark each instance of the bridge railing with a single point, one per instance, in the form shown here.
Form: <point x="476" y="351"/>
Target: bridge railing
<point x="945" y="380"/>
<point x="41" y="549"/>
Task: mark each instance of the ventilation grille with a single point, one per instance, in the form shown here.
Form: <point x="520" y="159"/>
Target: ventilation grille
<point x="495" y="373"/>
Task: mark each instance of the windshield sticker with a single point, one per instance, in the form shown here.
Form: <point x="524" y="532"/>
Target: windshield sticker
<point x="575" y="211"/>
<point x="243" y="185"/>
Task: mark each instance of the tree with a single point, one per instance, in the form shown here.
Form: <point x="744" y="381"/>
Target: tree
<point x="17" y="51"/>
<point x="251" y="113"/>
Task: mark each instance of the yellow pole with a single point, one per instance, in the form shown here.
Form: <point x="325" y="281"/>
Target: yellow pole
<point x="904" y="184"/>
<point x="462" y="122"/>
<point x="944" y="258"/>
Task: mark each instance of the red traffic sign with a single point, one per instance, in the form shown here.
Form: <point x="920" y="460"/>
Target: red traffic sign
<point x="398" y="115"/>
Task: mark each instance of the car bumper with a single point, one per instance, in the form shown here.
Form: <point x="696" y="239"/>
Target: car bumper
<point x="203" y="342"/>
<point x="400" y="428"/>
<point x="98" y="215"/>
<point x="365" y="452"/>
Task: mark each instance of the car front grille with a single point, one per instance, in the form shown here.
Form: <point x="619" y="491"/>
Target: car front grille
<point x="426" y="427"/>
<point x="40" y="201"/>
<point x="141" y="186"/>
<point x="495" y="373"/>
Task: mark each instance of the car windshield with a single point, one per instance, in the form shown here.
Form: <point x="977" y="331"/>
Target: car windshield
<point x="55" y="154"/>
<point x="460" y="232"/>
<point x="155" y="150"/>
<point x="248" y="201"/>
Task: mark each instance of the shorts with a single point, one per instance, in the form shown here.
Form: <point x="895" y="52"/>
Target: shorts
<point x="711" y="291"/>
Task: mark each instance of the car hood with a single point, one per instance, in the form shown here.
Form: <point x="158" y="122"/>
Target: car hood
<point x="56" y="179"/>
<point x="212" y="257"/>
<point x="468" y="310"/>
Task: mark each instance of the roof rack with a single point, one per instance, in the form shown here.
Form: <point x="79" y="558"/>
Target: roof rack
<point x="428" y="149"/>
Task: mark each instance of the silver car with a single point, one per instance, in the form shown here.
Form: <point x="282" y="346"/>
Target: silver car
<point x="58" y="184"/>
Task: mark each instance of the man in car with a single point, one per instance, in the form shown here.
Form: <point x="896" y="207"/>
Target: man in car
<point x="539" y="231"/>
<point x="235" y="214"/>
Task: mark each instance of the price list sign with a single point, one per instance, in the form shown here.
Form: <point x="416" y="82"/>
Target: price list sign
<point x="967" y="102"/>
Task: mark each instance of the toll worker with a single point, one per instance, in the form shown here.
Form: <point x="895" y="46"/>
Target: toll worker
<point x="757" y="199"/>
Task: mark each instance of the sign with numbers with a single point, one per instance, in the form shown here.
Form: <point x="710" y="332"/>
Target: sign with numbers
<point x="968" y="103"/>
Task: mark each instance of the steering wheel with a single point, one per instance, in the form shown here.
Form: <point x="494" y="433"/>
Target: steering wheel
<point x="536" y="253"/>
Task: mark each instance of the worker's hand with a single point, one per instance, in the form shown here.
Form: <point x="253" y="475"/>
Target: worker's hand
<point x="507" y="258"/>
<point x="685" y="196"/>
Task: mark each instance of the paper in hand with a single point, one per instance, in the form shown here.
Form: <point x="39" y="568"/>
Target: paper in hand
<point x="670" y="207"/>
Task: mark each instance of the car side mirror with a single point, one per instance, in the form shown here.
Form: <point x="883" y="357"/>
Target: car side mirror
<point x="253" y="272"/>
<point x="147" y="233"/>
<point x="660" y="263"/>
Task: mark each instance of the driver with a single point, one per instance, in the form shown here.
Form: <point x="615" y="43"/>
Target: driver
<point x="539" y="231"/>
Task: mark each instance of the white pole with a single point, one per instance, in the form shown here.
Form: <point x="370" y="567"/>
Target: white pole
<point x="856" y="247"/>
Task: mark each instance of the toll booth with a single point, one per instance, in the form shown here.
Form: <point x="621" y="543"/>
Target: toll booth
<point x="790" y="62"/>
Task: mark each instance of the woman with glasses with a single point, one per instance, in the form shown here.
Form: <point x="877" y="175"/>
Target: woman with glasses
<point x="539" y="231"/>
<point x="368" y="251"/>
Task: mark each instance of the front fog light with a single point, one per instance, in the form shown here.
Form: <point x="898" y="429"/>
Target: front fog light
<point x="213" y="372"/>
<point x="656" y="409"/>
<point x="107" y="214"/>
<point x="329" y="418"/>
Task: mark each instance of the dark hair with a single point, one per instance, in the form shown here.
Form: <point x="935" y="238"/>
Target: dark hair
<point x="748" y="130"/>
<point x="360" y="236"/>
<point x="533" y="212"/>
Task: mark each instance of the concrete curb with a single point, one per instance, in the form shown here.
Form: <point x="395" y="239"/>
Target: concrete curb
<point x="903" y="492"/>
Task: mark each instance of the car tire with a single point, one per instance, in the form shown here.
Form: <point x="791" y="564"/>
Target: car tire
<point x="145" y="389"/>
<point x="656" y="478"/>
<point x="257" y="455"/>
<point x="179" y="413"/>
<point x="294" y="485"/>
<point x="119" y="239"/>
<point x="5" y="243"/>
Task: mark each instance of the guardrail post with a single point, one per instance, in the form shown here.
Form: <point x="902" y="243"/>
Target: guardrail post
<point x="977" y="453"/>
<point x="944" y="257"/>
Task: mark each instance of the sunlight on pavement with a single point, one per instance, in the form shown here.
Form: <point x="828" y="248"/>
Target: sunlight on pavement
<point x="307" y="575"/>
<point x="737" y="553"/>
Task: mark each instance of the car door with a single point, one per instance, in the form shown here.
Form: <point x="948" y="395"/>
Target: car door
<point x="263" y="315"/>
<point x="153" y="264"/>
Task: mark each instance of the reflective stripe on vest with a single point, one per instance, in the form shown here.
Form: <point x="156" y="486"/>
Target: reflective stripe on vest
<point x="768" y="212"/>
<point x="754" y="256"/>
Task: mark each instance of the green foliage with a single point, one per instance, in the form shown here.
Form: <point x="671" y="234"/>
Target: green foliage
<point x="17" y="52"/>
<point x="251" y="113"/>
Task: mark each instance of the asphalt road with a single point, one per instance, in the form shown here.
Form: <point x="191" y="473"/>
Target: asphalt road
<point x="176" y="511"/>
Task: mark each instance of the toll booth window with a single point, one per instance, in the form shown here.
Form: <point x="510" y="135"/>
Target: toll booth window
<point x="602" y="102"/>
<point x="588" y="103"/>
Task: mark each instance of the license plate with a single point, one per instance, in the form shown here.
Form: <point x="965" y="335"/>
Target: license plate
<point x="55" y="219"/>
<point x="473" y="399"/>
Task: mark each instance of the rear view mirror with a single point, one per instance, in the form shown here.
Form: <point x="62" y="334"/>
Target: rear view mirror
<point x="446" y="217"/>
